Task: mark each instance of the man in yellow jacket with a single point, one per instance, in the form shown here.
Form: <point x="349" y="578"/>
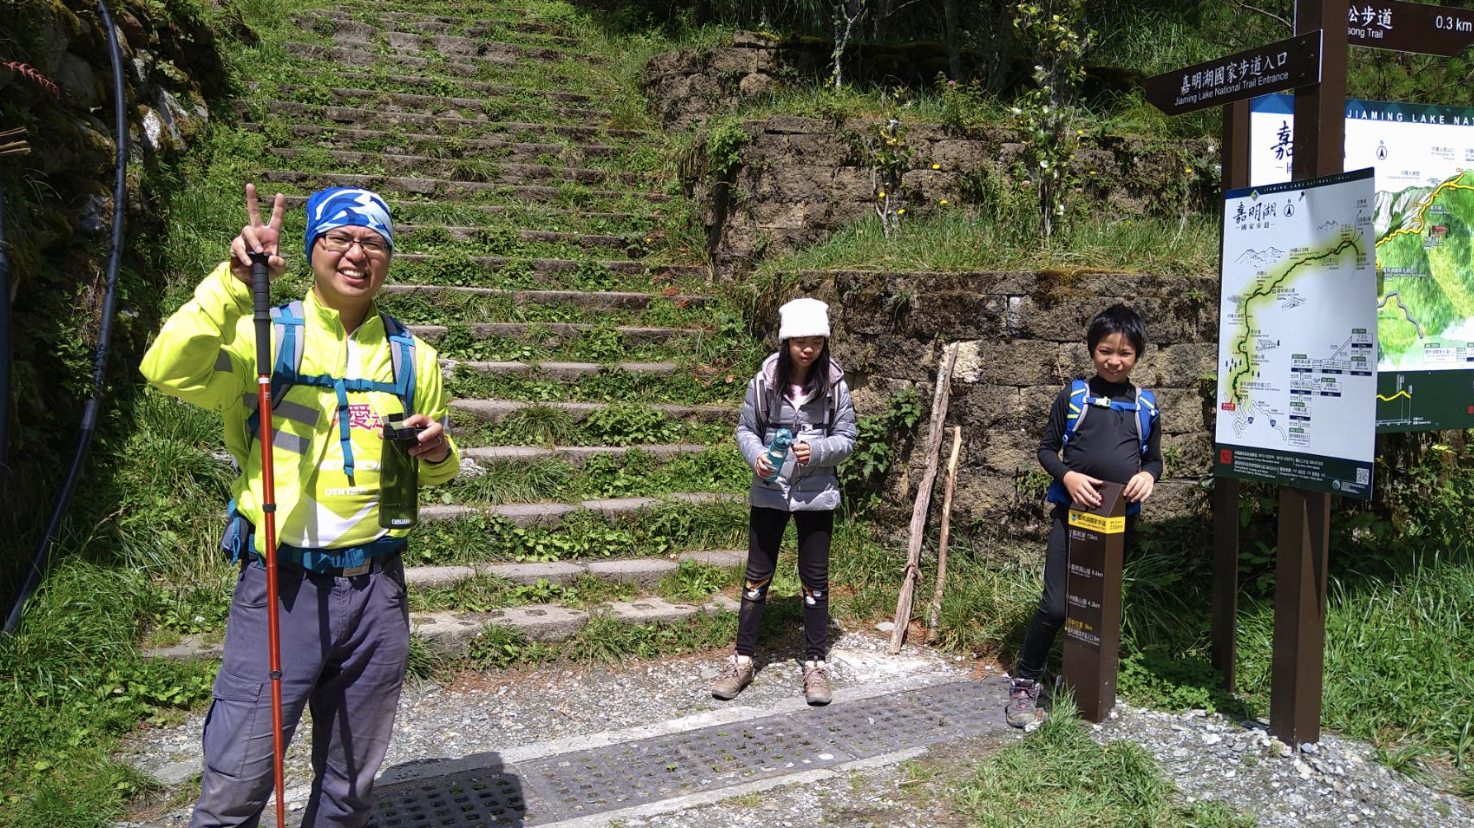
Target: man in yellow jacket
<point x="341" y="370"/>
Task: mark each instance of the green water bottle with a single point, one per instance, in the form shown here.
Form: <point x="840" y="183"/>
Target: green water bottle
<point x="399" y="475"/>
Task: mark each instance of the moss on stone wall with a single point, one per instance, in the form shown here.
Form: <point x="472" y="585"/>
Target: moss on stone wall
<point x="56" y="84"/>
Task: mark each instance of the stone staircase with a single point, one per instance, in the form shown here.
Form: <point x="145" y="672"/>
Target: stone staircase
<point x="538" y="249"/>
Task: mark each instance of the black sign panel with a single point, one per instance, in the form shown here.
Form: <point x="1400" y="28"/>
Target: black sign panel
<point x="1410" y="27"/>
<point x="1288" y="64"/>
<point x="1093" y="594"/>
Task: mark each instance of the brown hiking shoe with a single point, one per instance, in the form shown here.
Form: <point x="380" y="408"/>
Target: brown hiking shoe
<point x="737" y="673"/>
<point x="816" y="683"/>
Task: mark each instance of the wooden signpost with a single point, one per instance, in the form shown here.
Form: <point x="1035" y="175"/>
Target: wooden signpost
<point x="1097" y="544"/>
<point x="1304" y="522"/>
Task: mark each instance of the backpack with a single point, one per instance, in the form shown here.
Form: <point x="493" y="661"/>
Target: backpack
<point x="1081" y="401"/>
<point x="763" y="397"/>
<point x="287" y="323"/>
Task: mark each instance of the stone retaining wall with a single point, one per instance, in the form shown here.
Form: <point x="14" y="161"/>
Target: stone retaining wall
<point x="56" y="82"/>
<point x="800" y="179"/>
<point x="1022" y="336"/>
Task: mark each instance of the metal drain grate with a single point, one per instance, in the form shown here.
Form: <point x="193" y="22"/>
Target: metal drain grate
<point x="650" y="770"/>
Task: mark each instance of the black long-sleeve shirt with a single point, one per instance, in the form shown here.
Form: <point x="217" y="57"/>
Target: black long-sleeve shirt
<point x="1105" y="444"/>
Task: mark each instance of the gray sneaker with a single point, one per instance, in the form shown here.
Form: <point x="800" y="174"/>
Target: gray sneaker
<point x="1022" y="709"/>
<point x="816" y="683"/>
<point x="736" y="674"/>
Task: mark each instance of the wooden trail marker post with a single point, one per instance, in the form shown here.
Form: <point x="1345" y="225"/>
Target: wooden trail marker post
<point x="1097" y="544"/>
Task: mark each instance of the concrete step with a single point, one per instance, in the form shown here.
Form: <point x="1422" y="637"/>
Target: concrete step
<point x="643" y="572"/>
<point x="363" y="30"/>
<point x="551" y="515"/>
<point x="574" y="455"/>
<point x="505" y="54"/>
<point x="491" y="210"/>
<point x="413" y="102"/>
<point x="421" y="82"/>
<point x="451" y="633"/>
<point x="548" y="267"/>
<point x="360" y="117"/>
<point x="564" y="371"/>
<point x="412" y="142"/>
<point x="555" y="335"/>
<point x="495" y="410"/>
<point x="470" y="48"/>
<point x="536" y="193"/>
<point x="488" y="171"/>
<point x="588" y="300"/>
<point x="593" y="241"/>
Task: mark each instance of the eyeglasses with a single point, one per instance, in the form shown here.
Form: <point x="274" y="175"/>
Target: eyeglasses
<point x="340" y="242"/>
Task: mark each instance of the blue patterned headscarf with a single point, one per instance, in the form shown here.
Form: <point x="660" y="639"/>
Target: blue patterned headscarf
<point x="347" y="207"/>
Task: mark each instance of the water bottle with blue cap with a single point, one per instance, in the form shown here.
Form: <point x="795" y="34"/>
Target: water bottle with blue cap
<point x="782" y="442"/>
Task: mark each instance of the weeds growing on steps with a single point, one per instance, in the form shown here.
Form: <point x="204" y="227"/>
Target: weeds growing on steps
<point x="633" y="474"/>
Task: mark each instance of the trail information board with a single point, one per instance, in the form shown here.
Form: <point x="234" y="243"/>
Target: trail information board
<point x="1424" y="162"/>
<point x="1297" y="335"/>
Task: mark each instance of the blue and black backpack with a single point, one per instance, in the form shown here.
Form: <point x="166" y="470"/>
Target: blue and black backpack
<point x="1081" y="401"/>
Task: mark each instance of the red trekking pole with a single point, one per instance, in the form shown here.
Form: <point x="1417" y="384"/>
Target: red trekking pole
<point x="261" y="293"/>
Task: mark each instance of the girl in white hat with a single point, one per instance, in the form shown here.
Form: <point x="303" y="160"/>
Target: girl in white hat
<point x="802" y="390"/>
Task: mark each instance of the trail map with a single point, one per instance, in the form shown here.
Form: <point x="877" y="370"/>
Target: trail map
<point x="1297" y="344"/>
<point x="1424" y="162"/>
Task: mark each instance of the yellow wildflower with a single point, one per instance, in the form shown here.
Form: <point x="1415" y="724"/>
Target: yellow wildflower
<point x="936" y="166"/>
<point x="944" y="201"/>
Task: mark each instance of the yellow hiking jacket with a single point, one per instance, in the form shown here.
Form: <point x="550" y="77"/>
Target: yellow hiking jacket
<point x="206" y="355"/>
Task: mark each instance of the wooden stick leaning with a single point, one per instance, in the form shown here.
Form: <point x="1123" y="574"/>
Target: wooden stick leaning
<point x="923" y="497"/>
<point x="948" y="488"/>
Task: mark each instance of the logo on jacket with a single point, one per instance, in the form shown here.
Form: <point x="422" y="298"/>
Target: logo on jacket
<point x="361" y="415"/>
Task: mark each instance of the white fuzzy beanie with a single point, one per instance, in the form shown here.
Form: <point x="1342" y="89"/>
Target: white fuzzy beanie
<point x="803" y="317"/>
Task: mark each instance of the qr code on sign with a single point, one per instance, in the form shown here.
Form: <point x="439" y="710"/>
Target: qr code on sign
<point x="1363" y="477"/>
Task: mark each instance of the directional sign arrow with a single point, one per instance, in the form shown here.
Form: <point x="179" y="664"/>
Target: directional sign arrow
<point x="1410" y="27"/>
<point x="1288" y="64"/>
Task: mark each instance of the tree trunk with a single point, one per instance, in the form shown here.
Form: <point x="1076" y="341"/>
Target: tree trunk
<point x="953" y="38"/>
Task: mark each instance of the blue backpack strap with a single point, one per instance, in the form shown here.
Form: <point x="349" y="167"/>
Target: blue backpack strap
<point x="1146" y="417"/>
<point x="1078" y="404"/>
<point x="402" y="356"/>
<point x="286" y="328"/>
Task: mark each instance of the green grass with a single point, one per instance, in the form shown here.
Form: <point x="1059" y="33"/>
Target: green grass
<point x="636" y="474"/>
<point x="659" y="530"/>
<point x="1058" y="777"/>
<point x="609" y="385"/>
<point x="619" y="425"/>
<point x="953" y="238"/>
<point x="604" y="640"/>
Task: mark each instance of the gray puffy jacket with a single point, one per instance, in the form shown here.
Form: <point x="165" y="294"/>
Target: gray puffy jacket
<point x="813" y="487"/>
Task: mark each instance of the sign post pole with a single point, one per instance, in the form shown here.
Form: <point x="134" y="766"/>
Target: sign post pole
<point x="1097" y="546"/>
<point x="1226" y="489"/>
<point x="1305" y="517"/>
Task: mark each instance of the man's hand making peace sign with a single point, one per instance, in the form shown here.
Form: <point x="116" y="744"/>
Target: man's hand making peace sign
<point x="258" y="238"/>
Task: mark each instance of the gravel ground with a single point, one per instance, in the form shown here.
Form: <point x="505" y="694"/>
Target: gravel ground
<point x="1332" y="785"/>
<point x="1335" y="783"/>
<point x="501" y="710"/>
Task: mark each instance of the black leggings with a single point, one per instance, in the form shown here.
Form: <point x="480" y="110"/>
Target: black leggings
<point x="1050" y="616"/>
<point x="765" y="533"/>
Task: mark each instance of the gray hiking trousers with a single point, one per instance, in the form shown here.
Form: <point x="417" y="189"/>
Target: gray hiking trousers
<point x="344" y="646"/>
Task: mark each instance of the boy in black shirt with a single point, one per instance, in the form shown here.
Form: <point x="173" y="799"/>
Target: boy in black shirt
<point x="1118" y="441"/>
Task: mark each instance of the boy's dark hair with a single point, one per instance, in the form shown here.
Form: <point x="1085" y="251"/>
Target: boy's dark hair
<point x="1118" y="319"/>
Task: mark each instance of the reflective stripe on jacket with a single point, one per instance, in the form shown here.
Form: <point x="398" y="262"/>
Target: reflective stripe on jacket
<point x="812" y="487"/>
<point x="206" y="355"/>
